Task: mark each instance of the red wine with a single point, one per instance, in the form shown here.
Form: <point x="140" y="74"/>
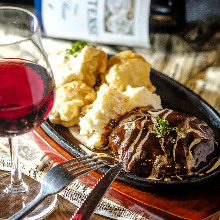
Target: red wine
<point x="26" y="96"/>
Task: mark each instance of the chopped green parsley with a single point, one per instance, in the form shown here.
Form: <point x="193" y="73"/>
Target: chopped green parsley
<point x="162" y="129"/>
<point x="77" y="47"/>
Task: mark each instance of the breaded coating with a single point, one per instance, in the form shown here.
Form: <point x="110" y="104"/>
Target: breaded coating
<point x="125" y="84"/>
<point x="127" y="69"/>
<point x="71" y="101"/>
<point x="86" y="66"/>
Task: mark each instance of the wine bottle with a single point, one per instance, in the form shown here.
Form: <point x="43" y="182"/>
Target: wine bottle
<point x="170" y="25"/>
<point x="197" y="31"/>
<point x="114" y="22"/>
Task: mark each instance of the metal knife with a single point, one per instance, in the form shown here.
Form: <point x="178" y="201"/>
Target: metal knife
<point x="89" y="205"/>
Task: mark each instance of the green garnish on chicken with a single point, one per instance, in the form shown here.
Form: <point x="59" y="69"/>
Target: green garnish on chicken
<point x="77" y="47"/>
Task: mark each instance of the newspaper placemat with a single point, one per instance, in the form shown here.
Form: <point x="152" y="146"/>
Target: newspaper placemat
<point x="35" y="164"/>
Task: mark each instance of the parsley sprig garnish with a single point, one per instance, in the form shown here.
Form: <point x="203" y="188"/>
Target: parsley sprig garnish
<point x="162" y="129"/>
<point x="77" y="47"/>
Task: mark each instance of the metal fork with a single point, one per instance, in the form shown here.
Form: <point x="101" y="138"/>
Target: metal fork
<point x="58" y="177"/>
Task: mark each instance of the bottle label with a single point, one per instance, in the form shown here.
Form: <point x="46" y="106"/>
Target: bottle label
<point x="119" y="22"/>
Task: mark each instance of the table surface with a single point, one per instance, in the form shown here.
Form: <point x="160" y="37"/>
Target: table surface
<point x="64" y="210"/>
<point x="199" y="205"/>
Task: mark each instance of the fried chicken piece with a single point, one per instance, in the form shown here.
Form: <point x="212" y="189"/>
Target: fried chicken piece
<point x="71" y="100"/>
<point x="127" y="69"/>
<point x="86" y="66"/>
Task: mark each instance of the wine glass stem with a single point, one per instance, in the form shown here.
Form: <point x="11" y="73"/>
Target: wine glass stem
<point x="17" y="185"/>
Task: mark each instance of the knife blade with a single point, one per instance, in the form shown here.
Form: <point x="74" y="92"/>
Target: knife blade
<point x="85" y="211"/>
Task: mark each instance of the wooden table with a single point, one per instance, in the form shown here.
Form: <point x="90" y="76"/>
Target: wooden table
<point x="63" y="210"/>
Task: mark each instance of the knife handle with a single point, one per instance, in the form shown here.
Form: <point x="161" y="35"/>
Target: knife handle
<point x="89" y="205"/>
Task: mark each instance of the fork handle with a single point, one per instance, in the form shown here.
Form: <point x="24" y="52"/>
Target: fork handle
<point x="29" y="207"/>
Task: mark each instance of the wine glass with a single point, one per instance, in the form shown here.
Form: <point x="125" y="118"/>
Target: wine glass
<point x="26" y="98"/>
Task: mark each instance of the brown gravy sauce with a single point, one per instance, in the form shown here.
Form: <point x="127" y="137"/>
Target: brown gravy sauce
<point x="135" y="142"/>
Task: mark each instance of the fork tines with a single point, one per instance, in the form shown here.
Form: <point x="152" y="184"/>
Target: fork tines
<point x="82" y="165"/>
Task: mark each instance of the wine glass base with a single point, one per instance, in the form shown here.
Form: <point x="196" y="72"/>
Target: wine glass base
<point x="21" y="188"/>
<point x="10" y="203"/>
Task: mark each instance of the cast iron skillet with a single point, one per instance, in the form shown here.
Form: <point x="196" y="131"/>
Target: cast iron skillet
<point x="177" y="97"/>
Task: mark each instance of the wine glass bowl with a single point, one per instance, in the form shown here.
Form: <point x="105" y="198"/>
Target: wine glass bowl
<point x="26" y="104"/>
<point x="26" y="97"/>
